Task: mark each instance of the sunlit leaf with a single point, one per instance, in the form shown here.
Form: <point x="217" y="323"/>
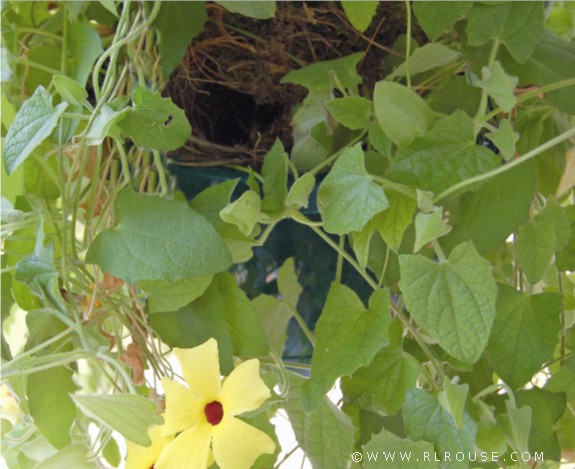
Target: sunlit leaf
<point x="347" y="337"/>
<point x="128" y="414"/>
<point x="33" y="123"/>
<point x="454" y="301"/>
<point x="347" y="197"/>
<point x="529" y="323"/>
<point x="518" y="25"/>
<point x="401" y="113"/>
<point x="155" y="122"/>
<point x="48" y="390"/>
<point x="326" y="435"/>
<point x="158" y="239"/>
<point x="443" y="157"/>
<point x="426" y="419"/>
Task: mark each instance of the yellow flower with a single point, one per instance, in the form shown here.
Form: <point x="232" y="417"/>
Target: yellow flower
<point x="203" y="413"/>
<point x="142" y="457"/>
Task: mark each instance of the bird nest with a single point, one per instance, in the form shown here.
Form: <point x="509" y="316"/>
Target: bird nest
<point x="229" y="83"/>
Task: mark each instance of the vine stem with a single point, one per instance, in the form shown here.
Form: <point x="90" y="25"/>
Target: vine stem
<point x="506" y="167"/>
<point x="306" y="330"/>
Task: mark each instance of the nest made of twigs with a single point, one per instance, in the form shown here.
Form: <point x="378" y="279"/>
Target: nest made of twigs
<point x="229" y="81"/>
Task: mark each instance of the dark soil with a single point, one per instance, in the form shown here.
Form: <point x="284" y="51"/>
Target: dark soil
<point x="229" y="81"/>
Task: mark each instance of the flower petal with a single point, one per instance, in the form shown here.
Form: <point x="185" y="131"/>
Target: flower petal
<point x="201" y="369"/>
<point x="183" y="408"/>
<point x="142" y="457"/>
<point x="244" y="390"/>
<point x="237" y="445"/>
<point x="190" y="449"/>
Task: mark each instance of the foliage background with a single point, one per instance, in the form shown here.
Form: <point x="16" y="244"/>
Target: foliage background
<point x="444" y="191"/>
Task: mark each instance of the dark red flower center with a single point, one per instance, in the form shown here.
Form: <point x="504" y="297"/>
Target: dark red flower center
<point x="214" y="412"/>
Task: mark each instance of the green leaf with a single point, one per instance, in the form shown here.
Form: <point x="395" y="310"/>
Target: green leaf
<point x="210" y="201"/>
<point x="111" y="453"/>
<point x="518" y="25"/>
<point x="382" y="385"/>
<point x="244" y="213"/>
<point x="326" y="435"/>
<point x="274" y="172"/>
<point x="49" y="390"/>
<point x="157" y="239"/>
<point x="274" y="316"/>
<point x="177" y="24"/>
<point x="166" y="296"/>
<point x="247" y="334"/>
<point x="387" y="449"/>
<point x="110" y="6"/>
<point x="240" y="245"/>
<point x="378" y="139"/>
<point x="43" y="325"/>
<point x="445" y="156"/>
<point x="347" y="197"/>
<point x="299" y="193"/>
<point x="563" y="380"/>
<point x="262" y="10"/>
<point x="429" y="227"/>
<point x="436" y="17"/>
<point x="37" y="270"/>
<point x="483" y="219"/>
<point x="534" y="248"/>
<point x="504" y="138"/>
<point x="525" y="334"/>
<point x="452" y="399"/>
<point x="288" y="285"/>
<point x="561" y="20"/>
<point x="454" y="301"/>
<point x="316" y="76"/>
<point x="361" y="241"/>
<point x="70" y="89"/>
<point x="426" y="419"/>
<point x="454" y="93"/>
<point x="155" y="122"/>
<point x="427" y="57"/>
<point x="547" y="408"/>
<point x="347" y="337"/>
<point x="128" y="414"/>
<point x="33" y="123"/>
<point x="553" y="60"/>
<point x="354" y="112"/>
<point x="499" y="86"/>
<point x="555" y="215"/>
<point x="69" y="457"/>
<point x="195" y="323"/>
<point x="310" y="116"/>
<point x="401" y="113"/>
<point x="84" y="47"/>
<point x="517" y="424"/>
<point x="104" y="124"/>
<point x="359" y="14"/>
<point x="223" y="312"/>
<point x="393" y="222"/>
<point x="41" y="175"/>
